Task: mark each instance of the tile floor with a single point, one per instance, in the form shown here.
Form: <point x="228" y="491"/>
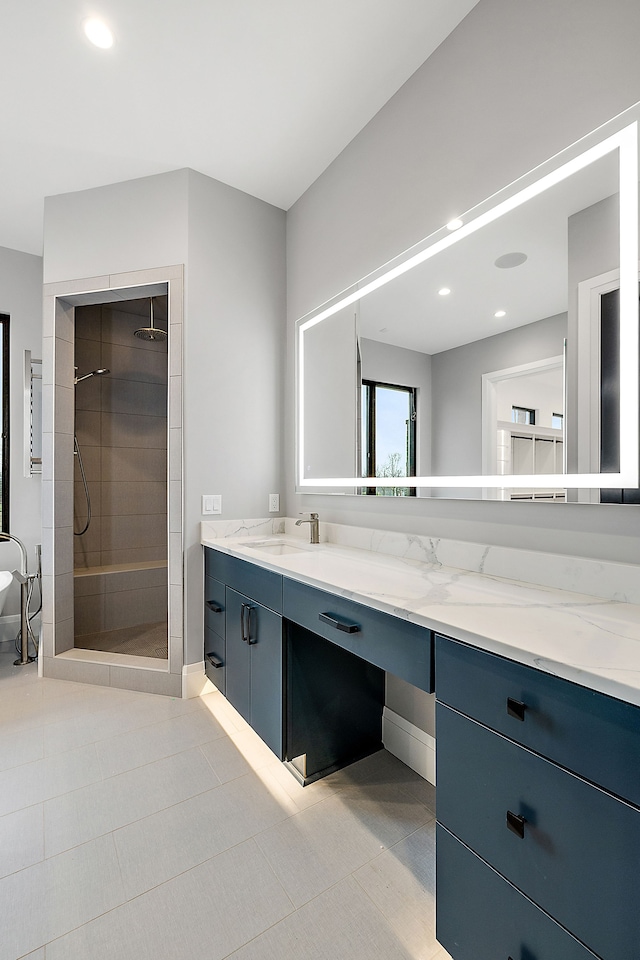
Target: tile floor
<point x="140" y="827"/>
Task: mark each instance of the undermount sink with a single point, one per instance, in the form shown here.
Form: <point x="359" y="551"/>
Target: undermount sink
<point x="276" y="548"/>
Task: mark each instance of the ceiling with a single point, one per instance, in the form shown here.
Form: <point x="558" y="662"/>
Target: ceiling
<point x="260" y="94"/>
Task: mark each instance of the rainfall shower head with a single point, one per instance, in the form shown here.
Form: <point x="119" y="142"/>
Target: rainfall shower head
<point x="94" y="373"/>
<point x="151" y="332"/>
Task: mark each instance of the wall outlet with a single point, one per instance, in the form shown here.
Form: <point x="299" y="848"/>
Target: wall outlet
<point x="211" y="504"/>
<point x="274" y="502"/>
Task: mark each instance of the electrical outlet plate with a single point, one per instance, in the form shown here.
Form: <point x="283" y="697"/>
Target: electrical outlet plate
<point x="274" y="502"/>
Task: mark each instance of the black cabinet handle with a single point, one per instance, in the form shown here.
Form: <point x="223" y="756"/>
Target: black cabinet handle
<point x="214" y="661"/>
<point x="245" y="623"/>
<point x="516" y="708"/>
<point x="344" y="625"/>
<point x="516" y="824"/>
<point x="214" y="607"/>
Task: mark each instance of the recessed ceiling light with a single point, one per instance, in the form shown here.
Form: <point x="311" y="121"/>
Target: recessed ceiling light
<point x="500" y="313"/>
<point x="454" y="224"/>
<point x="444" y="292"/>
<point x="508" y="260"/>
<point x="98" y="33"/>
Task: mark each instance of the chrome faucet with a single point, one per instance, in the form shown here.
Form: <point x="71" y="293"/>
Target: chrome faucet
<point x="315" y="527"/>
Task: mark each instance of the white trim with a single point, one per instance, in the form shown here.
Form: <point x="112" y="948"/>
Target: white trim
<point x="195" y="682"/>
<point x="410" y="744"/>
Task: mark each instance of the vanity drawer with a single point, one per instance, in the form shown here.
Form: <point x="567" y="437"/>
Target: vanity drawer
<point x="401" y="647"/>
<point x="253" y="581"/>
<point x="214" y="605"/>
<point x="579" y="851"/>
<point x="586" y="731"/>
<point x="480" y="916"/>
<point x="215" y="651"/>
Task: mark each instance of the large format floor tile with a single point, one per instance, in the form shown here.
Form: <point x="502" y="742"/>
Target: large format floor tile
<point x="141" y="827"/>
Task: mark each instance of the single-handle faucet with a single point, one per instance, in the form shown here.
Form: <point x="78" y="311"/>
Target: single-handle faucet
<point x="315" y="527"/>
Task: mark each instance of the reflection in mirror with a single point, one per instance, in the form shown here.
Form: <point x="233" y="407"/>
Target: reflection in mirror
<point x="481" y="361"/>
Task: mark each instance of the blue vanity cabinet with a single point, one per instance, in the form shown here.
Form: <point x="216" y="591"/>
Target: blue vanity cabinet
<point x="255" y="666"/>
<point x="248" y="604"/>
<point x="215" y="645"/>
<point x="535" y="802"/>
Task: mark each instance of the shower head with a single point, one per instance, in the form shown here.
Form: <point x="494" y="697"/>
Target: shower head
<point x="94" y="373"/>
<point x="151" y="332"/>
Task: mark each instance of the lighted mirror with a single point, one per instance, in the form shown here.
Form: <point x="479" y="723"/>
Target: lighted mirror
<point x="498" y="360"/>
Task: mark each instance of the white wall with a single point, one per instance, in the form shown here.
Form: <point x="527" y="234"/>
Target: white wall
<point x="233" y="366"/>
<point x="515" y="82"/>
<point x="21" y="298"/>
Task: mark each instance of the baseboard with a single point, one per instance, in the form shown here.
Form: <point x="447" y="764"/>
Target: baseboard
<point x="195" y="682"/>
<point x="410" y="744"/>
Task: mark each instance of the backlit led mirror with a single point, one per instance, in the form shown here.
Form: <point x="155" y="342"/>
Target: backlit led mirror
<point x="498" y="360"/>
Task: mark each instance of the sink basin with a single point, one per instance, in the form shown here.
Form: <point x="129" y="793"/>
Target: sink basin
<point x="276" y="548"/>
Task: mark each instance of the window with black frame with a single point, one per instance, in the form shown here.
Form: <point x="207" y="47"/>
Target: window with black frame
<point x="4" y="425"/>
<point x="388" y="439"/>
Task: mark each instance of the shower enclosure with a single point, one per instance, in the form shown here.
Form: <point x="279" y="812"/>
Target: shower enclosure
<point x="120" y="530"/>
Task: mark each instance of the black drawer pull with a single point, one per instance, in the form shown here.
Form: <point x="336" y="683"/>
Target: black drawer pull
<point x="345" y="626"/>
<point x="516" y="824"/>
<point x="213" y="606"/>
<point x="516" y="708"/>
<point x="214" y="661"/>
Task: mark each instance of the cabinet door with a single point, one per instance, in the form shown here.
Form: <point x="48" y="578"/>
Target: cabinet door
<point x="265" y="675"/>
<point x="254" y="666"/>
<point x="238" y="653"/>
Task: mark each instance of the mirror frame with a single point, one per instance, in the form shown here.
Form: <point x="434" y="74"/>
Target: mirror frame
<point x="554" y="171"/>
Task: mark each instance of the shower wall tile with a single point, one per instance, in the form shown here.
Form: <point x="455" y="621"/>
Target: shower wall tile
<point x="89" y="586"/>
<point x="85" y="559"/>
<point x="175" y="506"/>
<point x="64" y="406"/>
<point x="88" y="615"/>
<point x="135" y="362"/>
<point x="135" y="531"/>
<point x="47" y="599"/>
<point x="63" y="585"/>
<point x="176" y="571"/>
<point x="131" y="430"/>
<point x="64" y="320"/>
<point x="134" y="497"/>
<point x="118" y="465"/>
<point x="63" y="552"/>
<point x="119" y="327"/>
<point x="132" y="555"/>
<point x="89" y="392"/>
<point x="175" y="454"/>
<point x="88" y="427"/>
<point x="176" y="654"/>
<point x="64" y="635"/>
<point x="48" y="492"/>
<point x="48" y="360"/>
<point x="175" y="610"/>
<point x="175" y="349"/>
<point x="91" y="458"/>
<point x="85" y="284"/>
<point x="129" y="607"/>
<point x="134" y="396"/>
<point x="89" y="322"/>
<point x="63" y="363"/>
<point x="63" y="456"/>
<point x="135" y="579"/>
<point x="80" y="671"/>
<point x="146" y="681"/>
<point x="63" y="502"/>
<point x="175" y="402"/>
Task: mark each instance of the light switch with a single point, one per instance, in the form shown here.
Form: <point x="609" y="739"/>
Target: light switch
<point x="211" y="504"/>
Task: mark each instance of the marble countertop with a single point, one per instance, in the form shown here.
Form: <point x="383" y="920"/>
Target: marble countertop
<point x="593" y="641"/>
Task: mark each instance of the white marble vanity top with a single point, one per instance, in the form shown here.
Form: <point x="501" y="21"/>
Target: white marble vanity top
<point x="592" y="640"/>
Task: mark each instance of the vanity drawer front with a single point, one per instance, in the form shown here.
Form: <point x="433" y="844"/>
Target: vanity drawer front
<point x="480" y="916"/>
<point x="253" y="581"/>
<point x="214" y="606"/>
<point x="401" y="647"/>
<point x="586" y="731"/>
<point x="215" y="651"/>
<point x="579" y="851"/>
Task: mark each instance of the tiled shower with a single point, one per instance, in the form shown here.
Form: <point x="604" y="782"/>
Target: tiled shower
<point x="120" y="561"/>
